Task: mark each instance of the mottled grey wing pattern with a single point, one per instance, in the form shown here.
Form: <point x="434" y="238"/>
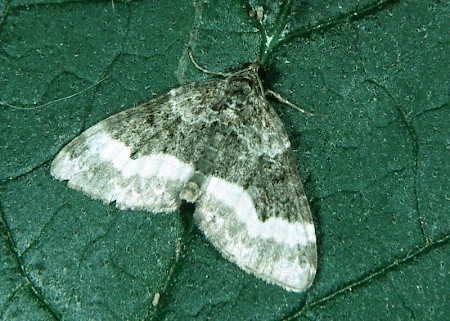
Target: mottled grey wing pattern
<point x="254" y="209"/>
<point x="218" y="144"/>
<point x="139" y="158"/>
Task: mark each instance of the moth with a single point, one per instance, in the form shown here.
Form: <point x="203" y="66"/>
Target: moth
<point x="219" y="145"/>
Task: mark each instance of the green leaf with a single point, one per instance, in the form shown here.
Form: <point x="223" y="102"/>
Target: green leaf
<point x="376" y="169"/>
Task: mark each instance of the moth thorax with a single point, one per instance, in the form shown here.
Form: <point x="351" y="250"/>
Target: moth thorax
<point x="193" y="188"/>
<point x="228" y="116"/>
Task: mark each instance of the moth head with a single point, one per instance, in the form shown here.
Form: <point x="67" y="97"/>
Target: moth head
<point x="256" y="67"/>
<point x="247" y="81"/>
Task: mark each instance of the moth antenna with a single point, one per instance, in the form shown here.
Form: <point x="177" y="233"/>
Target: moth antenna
<point x="206" y="71"/>
<point x="2" y="103"/>
<point x="283" y="100"/>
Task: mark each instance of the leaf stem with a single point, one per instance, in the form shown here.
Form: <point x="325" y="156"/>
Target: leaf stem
<point x="270" y="43"/>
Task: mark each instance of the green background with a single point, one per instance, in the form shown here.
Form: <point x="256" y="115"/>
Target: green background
<point x="376" y="170"/>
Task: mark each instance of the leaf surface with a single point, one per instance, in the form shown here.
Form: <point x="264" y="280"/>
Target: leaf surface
<point x="375" y="169"/>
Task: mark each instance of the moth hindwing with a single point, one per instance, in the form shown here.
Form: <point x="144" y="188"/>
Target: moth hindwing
<point x="220" y="145"/>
